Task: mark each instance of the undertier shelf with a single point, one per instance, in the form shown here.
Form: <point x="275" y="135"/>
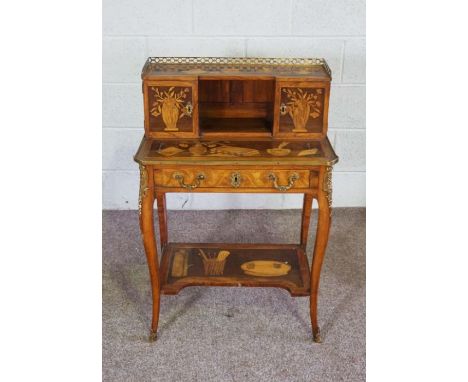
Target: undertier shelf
<point x="251" y="265"/>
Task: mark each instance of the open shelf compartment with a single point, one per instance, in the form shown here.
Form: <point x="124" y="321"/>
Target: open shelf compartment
<point x="236" y="108"/>
<point x="251" y="265"/>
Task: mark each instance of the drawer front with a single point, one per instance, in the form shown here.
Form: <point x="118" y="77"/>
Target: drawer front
<point x="171" y="109"/>
<point x="301" y="109"/>
<point x="280" y="180"/>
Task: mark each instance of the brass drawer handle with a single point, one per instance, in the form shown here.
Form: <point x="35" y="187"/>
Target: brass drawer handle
<point x="180" y="178"/>
<point x="236" y="179"/>
<point x="291" y="180"/>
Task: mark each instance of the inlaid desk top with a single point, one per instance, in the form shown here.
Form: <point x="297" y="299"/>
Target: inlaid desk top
<point x="246" y="152"/>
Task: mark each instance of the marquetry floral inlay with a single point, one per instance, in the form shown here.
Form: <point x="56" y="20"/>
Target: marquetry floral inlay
<point x="170" y="105"/>
<point x="301" y="105"/>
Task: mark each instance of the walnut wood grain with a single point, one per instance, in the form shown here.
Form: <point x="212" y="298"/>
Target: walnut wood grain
<point x="306" y="212"/>
<point x="162" y="216"/>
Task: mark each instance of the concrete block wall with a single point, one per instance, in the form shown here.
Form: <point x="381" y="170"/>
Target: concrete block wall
<point x="136" y="29"/>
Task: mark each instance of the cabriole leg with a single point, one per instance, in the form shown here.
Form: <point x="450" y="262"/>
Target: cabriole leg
<point x="323" y="228"/>
<point x="145" y="207"/>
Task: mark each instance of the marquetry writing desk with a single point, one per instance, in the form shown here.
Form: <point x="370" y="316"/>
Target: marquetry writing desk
<point x="248" y="125"/>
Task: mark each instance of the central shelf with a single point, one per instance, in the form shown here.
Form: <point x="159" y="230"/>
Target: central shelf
<point x="250" y="265"/>
<point x="222" y="127"/>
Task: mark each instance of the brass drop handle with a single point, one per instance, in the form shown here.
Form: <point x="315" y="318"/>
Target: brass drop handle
<point x="180" y="178"/>
<point x="291" y="180"/>
<point x="188" y="109"/>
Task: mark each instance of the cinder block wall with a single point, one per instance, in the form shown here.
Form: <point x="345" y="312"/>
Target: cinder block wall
<point x="136" y="29"/>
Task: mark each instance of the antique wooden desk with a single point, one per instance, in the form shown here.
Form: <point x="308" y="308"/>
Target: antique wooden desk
<point x="249" y="125"/>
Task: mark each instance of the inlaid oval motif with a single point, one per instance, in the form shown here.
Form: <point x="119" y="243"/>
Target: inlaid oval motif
<point x="265" y="268"/>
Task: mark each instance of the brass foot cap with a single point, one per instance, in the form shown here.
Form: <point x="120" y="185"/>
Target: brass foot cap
<point x="153" y="336"/>
<point x="317" y="337"/>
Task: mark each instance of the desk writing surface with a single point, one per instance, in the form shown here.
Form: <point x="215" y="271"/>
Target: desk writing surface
<point x="236" y="151"/>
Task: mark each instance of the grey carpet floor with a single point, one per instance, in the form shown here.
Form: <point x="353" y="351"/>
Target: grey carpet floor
<point x="234" y="334"/>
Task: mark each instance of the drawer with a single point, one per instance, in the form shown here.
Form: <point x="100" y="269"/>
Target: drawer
<point x="190" y="179"/>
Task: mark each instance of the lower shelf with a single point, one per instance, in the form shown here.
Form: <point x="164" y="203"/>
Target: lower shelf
<point x="251" y="265"/>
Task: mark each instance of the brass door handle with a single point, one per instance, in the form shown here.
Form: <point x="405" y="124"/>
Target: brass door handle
<point x="291" y="180"/>
<point x="180" y="178"/>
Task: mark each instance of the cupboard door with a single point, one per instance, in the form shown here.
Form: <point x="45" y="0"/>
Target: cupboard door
<point x="301" y="109"/>
<point x="171" y="109"/>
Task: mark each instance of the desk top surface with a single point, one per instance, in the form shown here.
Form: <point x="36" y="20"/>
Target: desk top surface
<point x="236" y="152"/>
<point x="207" y="67"/>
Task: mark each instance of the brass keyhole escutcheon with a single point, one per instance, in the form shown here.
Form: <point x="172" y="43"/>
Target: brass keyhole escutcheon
<point x="235" y="179"/>
<point x="283" y="109"/>
<point x="188" y="109"/>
